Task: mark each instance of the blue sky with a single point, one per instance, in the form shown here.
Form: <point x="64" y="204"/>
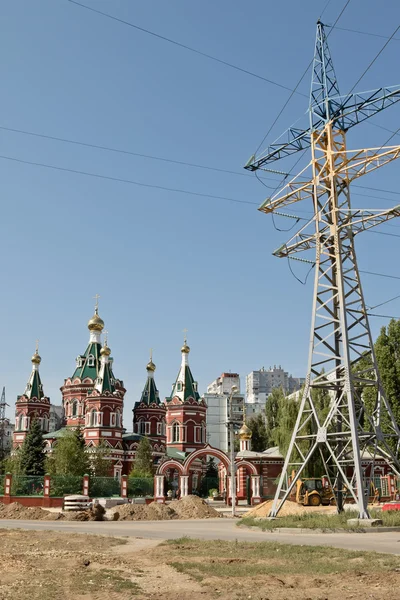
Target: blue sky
<point x="164" y="261"/>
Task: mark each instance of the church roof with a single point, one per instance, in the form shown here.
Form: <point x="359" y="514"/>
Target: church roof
<point x="34" y="387"/>
<point x="150" y="393"/>
<point x="88" y="364"/>
<point x="185" y="386"/>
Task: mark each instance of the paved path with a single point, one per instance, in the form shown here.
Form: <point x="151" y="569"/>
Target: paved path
<point x="221" y="529"/>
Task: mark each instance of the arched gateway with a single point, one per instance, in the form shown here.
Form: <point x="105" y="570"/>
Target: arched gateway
<point x="184" y="470"/>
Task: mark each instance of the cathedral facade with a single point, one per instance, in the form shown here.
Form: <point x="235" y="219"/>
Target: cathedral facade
<point x="93" y="400"/>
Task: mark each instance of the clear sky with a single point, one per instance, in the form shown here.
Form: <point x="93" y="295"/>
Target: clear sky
<point x="163" y="261"/>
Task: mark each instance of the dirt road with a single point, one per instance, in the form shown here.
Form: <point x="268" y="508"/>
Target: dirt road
<point x="213" y="529"/>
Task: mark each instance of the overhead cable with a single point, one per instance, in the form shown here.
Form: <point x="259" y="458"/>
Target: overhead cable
<point x="180" y="45"/>
<point x="129" y="181"/>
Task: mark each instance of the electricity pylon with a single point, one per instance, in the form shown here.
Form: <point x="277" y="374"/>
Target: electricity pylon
<point x="350" y="435"/>
<point x="3" y="423"/>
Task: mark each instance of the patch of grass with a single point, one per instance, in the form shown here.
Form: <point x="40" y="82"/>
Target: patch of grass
<point x="204" y="559"/>
<point x="325" y="522"/>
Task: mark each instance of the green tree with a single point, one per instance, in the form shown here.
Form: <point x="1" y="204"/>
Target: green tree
<point x="32" y="457"/>
<point x="143" y="465"/>
<point x="285" y="422"/>
<point x="259" y="438"/>
<point x="275" y="399"/>
<point x="212" y="469"/>
<point x="69" y="456"/>
<point x="100" y="463"/>
<point x="12" y="464"/>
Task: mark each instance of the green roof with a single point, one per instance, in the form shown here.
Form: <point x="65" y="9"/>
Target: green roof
<point x="56" y="434"/>
<point x="34" y="387"/>
<point x="177" y="454"/>
<point x="86" y="369"/>
<point x="188" y="387"/>
<point x="150" y="393"/>
<point x="105" y="381"/>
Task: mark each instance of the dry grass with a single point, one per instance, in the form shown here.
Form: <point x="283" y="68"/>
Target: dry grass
<point x="274" y="571"/>
<point x="325" y="522"/>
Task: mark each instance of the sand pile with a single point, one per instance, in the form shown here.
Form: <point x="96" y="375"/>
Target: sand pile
<point x="15" y="510"/>
<point x="143" y="512"/>
<point x="189" y="507"/>
<point x="193" y="507"/>
<point x="263" y="510"/>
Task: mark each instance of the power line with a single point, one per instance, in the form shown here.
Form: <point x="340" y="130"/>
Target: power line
<point x="180" y="45"/>
<point x="379" y="274"/>
<point x="374" y="59"/>
<point x="130" y="181"/>
<point x="126" y="152"/>
<point x="385" y="302"/>
<point x="181" y="162"/>
<point x="385" y="37"/>
<point x="383" y="316"/>
<point x="384" y="233"/>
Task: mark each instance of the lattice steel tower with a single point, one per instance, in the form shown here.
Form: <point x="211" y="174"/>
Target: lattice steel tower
<point x="3" y="423"/>
<point x="340" y="332"/>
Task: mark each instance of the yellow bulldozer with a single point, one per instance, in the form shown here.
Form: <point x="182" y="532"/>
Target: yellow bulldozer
<point x="313" y="492"/>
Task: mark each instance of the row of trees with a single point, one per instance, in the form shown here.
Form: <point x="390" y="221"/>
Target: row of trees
<point x="274" y="428"/>
<point x="71" y="457"/>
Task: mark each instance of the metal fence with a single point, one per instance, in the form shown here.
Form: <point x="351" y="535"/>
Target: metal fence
<point x="104" y="487"/>
<point x="60" y="485"/>
<point x="140" y="487"/>
<point x="26" y="485"/>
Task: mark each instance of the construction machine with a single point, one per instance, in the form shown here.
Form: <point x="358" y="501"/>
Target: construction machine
<point x="313" y="492"/>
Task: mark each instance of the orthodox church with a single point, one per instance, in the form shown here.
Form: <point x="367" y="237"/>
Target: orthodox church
<point x="93" y="399"/>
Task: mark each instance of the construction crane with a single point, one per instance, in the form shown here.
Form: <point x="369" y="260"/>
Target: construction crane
<point x="340" y="332"/>
<point x="3" y="423"/>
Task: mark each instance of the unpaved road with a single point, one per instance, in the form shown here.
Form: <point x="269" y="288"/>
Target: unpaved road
<point x="215" y="529"/>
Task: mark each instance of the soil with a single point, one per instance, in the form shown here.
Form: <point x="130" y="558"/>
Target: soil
<point x="193" y="507"/>
<point x="289" y="508"/>
<point x="43" y="565"/>
<point x="17" y="511"/>
<point x="189" y="507"/>
<point x="143" y="512"/>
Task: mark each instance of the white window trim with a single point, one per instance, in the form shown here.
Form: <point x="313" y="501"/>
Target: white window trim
<point x="113" y="419"/>
<point x="159" y="428"/>
<point x="147" y="428"/>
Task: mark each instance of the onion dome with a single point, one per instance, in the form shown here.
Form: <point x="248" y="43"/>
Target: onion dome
<point x="36" y="359"/>
<point x="185" y="348"/>
<point x="105" y="350"/>
<point x="245" y="433"/>
<point x="96" y="323"/>
<point x="151" y="366"/>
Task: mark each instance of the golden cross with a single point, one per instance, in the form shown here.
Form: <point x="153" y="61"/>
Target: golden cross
<point x="96" y="307"/>
<point x="37" y="347"/>
<point x="244" y="412"/>
<point x="151" y="354"/>
<point x="105" y="338"/>
<point x="185" y="336"/>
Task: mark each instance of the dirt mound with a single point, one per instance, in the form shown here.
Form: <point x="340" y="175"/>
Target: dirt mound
<point x="193" y="507"/>
<point x="97" y="513"/>
<point x="15" y="510"/>
<point x="144" y="512"/>
<point x="263" y="510"/>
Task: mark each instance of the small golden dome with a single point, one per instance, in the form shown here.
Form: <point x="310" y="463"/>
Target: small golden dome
<point x="96" y="323"/>
<point x="185" y="348"/>
<point x="105" y="351"/>
<point x="151" y="366"/>
<point x="36" y="359"/>
<point x="245" y="433"/>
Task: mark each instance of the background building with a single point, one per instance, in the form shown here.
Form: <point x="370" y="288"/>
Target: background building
<point x="259" y="384"/>
<point x="217" y="399"/>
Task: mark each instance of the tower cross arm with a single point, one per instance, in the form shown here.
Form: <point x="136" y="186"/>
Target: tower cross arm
<point x="352" y="109"/>
<point x="366" y="160"/>
<point x="292" y="141"/>
<point x="358" y="220"/>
